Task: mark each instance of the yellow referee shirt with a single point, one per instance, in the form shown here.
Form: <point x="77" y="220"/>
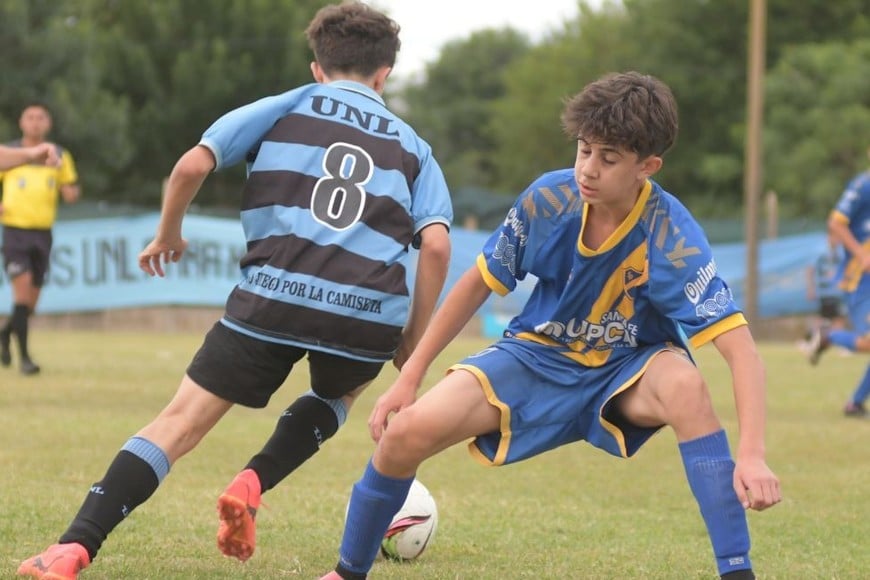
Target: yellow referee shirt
<point x="30" y="193"/>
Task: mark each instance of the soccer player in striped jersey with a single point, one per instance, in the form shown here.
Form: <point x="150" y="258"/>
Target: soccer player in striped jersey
<point x="338" y="189"/>
<point x="625" y="277"/>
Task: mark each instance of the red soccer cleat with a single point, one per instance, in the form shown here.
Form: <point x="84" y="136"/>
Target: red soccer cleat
<point x="237" y="508"/>
<point x="57" y="562"/>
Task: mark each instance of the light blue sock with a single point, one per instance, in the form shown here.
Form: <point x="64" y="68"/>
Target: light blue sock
<point x="863" y="391"/>
<point x="710" y="471"/>
<point x="844" y="338"/>
<point x="150" y="454"/>
<point x="373" y="503"/>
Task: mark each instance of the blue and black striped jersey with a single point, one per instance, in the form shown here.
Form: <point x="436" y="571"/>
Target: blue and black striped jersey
<point x="337" y="189"/>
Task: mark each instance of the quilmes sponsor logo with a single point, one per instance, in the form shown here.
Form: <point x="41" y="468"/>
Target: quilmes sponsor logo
<point x="505" y="252"/>
<point x="614" y="330"/>
<point x="695" y="289"/>
<point x="517" y="226"/>
<point x="506" y="247"/>
<point x="716" y="306"/>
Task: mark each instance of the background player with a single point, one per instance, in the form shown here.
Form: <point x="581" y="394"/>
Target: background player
<point x="847" y="226"/>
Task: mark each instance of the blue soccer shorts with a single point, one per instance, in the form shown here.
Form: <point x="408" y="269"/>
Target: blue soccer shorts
<point x="548" y="400"/>
<point x="858" y="305"/>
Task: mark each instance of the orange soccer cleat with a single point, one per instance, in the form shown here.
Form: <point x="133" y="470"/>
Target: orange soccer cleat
<point x="57" y="562"/>
<point x="237" y="509"/>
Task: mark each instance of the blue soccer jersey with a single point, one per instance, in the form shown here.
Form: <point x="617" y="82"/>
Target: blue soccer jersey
<point x="338" y="187"/>
<point x="853" y="208"/>
<point x="653" y="276"/>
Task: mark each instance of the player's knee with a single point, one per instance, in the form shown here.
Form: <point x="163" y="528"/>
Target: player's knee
<point x="406" y="441"/>
<point x="686" y="398"/>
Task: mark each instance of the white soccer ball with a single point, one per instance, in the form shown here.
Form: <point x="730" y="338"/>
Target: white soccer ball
<point x="413" y="526"/>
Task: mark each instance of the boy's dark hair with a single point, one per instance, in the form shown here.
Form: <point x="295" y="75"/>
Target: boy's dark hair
<point x="629" y="110"/>
<point x="352" y="37"/>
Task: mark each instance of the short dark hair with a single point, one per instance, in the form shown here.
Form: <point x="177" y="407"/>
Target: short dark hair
<point x="629" y="110"/>
<point x="35" y="103"/>
<point x="352" y="37"/>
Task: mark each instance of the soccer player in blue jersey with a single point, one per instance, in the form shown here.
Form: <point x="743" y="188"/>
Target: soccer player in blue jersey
<point x="595" y="354"/>
<point x="849" y="225"/>
<point x="338" y="189"/>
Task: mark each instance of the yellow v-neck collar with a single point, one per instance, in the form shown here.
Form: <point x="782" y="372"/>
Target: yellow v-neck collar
<point x="620" y="232"/>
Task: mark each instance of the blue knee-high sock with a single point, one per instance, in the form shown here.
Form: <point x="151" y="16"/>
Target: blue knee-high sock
<point x="843" y="338"/>
<point x="863" y="391"/>
<point x="710" y="471"/>
<point x="373" y="503"/>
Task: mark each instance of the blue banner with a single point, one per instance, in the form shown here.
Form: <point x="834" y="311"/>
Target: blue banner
<point x="94" y="267"/>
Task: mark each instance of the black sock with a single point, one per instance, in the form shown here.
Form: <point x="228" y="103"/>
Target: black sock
<point x="18" y="324"/>
<point x="348" y="575"/>
<point x="300" y="431"/>
<point x="739" y="575"/>
<point x="128" y="482"/>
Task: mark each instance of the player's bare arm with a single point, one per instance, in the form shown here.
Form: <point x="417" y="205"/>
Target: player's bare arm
<point x="839" y="230"/>
<point x="755" y="483"/>
<point x="184" y="182"/>
<point x="431" y="272"/>
<point x="463" y="300"/>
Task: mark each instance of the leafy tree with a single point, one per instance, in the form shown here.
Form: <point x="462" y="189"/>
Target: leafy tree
<point x="697" y="46"/>
<point x="180" y="67"/>
<point x="453" y="108"/>
<point x="134" y="83"/>
<point x="525" y="122"/>
<point x="50" y="55"/>
<point x="818" y="123"/>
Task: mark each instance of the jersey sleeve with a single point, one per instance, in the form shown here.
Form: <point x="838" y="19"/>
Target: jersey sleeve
<point x="430" y="196"/>
<point x="234" y="134"/>
<point x="684" y="282"/>
<point x="67" y="173"/>
<point x="510" y="250"/>
<point x="854" y="202"/>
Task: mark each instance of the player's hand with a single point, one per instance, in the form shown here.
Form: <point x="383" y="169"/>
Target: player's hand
<point x="158" y="253"/>
<point x="756" y="485"/>
<point x="401" y="394"/>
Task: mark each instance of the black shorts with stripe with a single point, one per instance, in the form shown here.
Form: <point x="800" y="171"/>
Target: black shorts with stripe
<point x="248" y="371"/>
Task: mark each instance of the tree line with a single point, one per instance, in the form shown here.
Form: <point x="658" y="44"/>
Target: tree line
<point x="133" y="84"/>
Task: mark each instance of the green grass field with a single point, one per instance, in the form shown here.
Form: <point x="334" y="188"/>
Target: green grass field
<point x="574" y="513"/>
